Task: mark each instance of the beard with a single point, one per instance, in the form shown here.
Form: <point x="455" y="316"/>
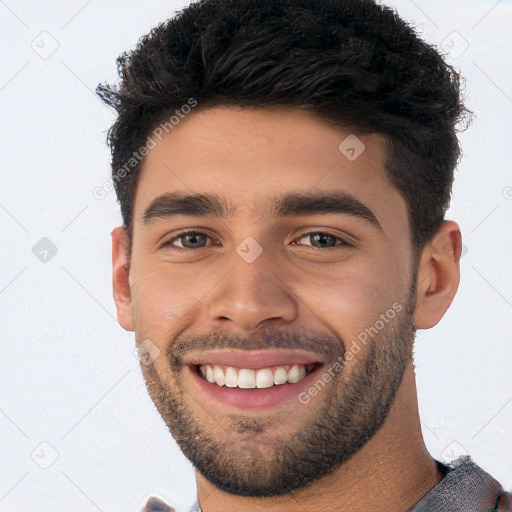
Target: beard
<point x="349" y="411"/>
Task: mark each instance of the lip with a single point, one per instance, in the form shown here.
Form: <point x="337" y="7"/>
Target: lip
<point x="247" y="398"/>
<point x="253" y="359"/>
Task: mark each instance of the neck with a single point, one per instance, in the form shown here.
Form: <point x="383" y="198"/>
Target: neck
<point x="392" y="471"/>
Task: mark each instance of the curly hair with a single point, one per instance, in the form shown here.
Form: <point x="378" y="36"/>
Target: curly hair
<point x="353" y="63"/>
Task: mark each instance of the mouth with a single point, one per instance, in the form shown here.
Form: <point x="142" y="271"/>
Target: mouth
<point x="251" y="380"/>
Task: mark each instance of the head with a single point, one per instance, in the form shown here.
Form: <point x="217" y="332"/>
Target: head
<point x="310" y="146"/>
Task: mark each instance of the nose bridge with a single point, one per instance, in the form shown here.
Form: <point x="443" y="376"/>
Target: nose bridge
<point x="251" y="293"/>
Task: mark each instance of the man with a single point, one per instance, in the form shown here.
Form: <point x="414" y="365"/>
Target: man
<point x="283" y="169"/>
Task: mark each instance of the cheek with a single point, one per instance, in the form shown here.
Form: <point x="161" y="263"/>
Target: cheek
<point x="165" y="297"/>
<point x="351" y="296"/>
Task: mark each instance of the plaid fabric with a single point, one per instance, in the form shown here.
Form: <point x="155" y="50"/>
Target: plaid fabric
<point x="465" y="487"/>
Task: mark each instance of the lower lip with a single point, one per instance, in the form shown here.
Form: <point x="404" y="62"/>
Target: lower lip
<point x="252" y="398"/>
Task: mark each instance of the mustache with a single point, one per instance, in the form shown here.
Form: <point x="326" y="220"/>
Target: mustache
<point x="329" y="346"/>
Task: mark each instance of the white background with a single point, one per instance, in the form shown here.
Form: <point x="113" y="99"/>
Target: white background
<point x="68" y="374"/>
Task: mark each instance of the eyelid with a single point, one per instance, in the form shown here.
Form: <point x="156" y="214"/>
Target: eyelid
<point x="302" y="234"/>
<point x="342" y="239"/>
<point x="201" y="231"/>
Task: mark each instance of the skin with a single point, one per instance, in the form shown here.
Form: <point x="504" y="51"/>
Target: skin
<point x="214" y="299"/>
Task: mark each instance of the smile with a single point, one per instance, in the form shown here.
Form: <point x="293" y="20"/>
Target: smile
<point x="250" y="379"/>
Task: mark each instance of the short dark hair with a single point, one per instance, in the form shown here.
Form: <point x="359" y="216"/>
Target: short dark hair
<point x="353" y="63"/>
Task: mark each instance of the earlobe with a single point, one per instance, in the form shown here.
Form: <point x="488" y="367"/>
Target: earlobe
<point x="438" y="275"/>
<point x="121" y="278"/>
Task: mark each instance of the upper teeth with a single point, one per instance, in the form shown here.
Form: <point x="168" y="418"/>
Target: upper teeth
<point x="245" y="378"/>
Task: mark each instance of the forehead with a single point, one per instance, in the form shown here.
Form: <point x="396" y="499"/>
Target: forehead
<point x="253" y="156"/>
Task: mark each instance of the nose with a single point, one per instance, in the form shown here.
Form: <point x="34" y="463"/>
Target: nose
<point x="252" y="296"/>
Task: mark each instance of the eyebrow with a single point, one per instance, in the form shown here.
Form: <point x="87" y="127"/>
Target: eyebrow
<point x="292" y="204"/>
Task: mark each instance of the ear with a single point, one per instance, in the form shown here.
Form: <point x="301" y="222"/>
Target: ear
<point x="120" y="278"/>
<point x="438" y="275"/>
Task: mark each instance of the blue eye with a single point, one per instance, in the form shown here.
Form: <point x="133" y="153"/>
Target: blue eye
<point x="321" y="237"/>
<point x="196" y="240"/>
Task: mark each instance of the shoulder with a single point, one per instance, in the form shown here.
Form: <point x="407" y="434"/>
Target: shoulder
<point x="155" y="504"/>
<point x="504" y="502"/>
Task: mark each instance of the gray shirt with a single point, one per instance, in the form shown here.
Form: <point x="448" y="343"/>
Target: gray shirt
<point x="465" y="487"/>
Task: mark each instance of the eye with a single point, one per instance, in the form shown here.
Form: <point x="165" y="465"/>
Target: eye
<point x="196" y="240"/>
<point x="322" y="238"/>
<point x="189" y="240"/>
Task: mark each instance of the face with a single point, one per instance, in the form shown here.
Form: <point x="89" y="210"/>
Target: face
<point x="287" y="280"/>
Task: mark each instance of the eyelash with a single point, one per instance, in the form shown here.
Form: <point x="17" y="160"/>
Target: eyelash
<point x="343" y="243"/>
